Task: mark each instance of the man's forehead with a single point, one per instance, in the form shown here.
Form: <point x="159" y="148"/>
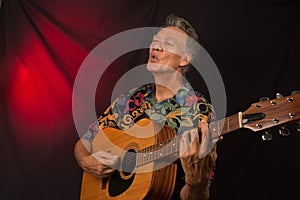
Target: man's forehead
<point x="172" y="32"/>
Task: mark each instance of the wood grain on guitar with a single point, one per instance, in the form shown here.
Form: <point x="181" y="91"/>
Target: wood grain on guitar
<point x="137" y="177"/>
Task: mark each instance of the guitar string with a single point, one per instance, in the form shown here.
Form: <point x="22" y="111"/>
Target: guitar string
<point x="153" y="152"/>
<point x="156" y="152"/>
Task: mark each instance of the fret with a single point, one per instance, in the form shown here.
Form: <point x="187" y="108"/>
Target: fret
<point x="137" y="159"/>
<point x="167" y="149"/>
<point x="144" y="157"/>
<point x="173" y="145"/>
<point x="147" y="156"/>
<point x="228" y="127"/>
<point x="160" y="153"/>
<point x="151" y="156"/>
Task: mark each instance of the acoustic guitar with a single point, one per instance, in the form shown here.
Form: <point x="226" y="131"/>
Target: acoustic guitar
<point x="146" y="170"/>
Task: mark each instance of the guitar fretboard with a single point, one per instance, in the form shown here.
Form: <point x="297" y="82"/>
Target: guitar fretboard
<point x="225" y="125"/>
<point x="171" y="146"/>
<point x="158" y="151"/>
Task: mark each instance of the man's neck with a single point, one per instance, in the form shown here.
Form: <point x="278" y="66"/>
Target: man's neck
<point x="167" y="87"/>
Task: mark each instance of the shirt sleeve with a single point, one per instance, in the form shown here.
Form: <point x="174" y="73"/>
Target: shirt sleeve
<point x="110" y="118"/>
<point x="107" y="119"/>
<point x="91" y="132"/>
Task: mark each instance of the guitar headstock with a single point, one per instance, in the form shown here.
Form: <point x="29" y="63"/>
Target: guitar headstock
<point x="277" y="113"/>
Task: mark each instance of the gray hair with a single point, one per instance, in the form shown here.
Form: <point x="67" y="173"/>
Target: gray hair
<point x="192" y="41"/>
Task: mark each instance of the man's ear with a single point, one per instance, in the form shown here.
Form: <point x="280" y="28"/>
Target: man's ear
<point x="185" y="60"/>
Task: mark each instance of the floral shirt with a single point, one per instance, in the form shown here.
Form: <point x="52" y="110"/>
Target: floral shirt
<point x="181" y="112"/>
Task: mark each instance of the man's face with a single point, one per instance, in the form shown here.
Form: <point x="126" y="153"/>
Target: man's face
<point x="167" y="50"/>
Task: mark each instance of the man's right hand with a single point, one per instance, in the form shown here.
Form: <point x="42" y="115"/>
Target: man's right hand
<point x="100" y="164"/>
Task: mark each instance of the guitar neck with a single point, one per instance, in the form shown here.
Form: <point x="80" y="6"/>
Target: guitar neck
<point x="260" y="116"/>
<point x="158" y="151"/>
<point x="171" y="146"/>
<point x="225" y="125"/>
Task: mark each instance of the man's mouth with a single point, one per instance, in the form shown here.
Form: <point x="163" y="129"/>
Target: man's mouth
<point x="153" y="58"/>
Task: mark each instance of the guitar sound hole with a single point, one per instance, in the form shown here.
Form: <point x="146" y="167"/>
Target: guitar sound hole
<point x="129" y="162"/>
<point x="120" y="182"/>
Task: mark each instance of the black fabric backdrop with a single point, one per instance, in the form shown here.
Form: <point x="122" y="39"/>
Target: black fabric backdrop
<point x="255" y="44"/>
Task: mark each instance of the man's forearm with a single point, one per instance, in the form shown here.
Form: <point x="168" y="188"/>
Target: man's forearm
<point x="198" y="182"/>
<point x="82" y="149"/>
<point x="193" y="193"/>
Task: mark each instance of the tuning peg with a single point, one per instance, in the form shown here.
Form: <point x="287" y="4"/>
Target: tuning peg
<point x="298" y="127"/>
<point x="263" y="99"/>
<point x="296" y="92"/>
<point x="267" y="136"/>
<point x="284" y="131"/>
<point x="278" y="95"/>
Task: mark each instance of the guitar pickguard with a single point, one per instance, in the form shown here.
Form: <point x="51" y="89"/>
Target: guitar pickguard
<point x="118" y="185"/>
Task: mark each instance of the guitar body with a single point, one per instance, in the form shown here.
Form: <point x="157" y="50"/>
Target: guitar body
<point x="131" y="181"/>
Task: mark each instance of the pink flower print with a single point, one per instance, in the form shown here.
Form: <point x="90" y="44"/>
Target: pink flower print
<point x="191" y="99"/>
<point x="130" y="105"/>
<point x="138" y="99"/>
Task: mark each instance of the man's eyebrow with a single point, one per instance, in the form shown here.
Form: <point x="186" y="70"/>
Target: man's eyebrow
<point x="171" y="38"/>
<point x="156" y="36"/>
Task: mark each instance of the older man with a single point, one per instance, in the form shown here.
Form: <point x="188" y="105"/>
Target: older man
<point x="169" y="100"/>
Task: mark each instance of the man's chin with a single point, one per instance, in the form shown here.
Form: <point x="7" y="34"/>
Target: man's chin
<point x="153" y="67"/>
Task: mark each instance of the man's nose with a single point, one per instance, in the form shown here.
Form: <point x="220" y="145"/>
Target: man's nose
<point x="158" y="47"/>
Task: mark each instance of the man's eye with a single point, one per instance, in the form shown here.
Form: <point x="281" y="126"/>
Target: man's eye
<point x="169" y="44"/>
